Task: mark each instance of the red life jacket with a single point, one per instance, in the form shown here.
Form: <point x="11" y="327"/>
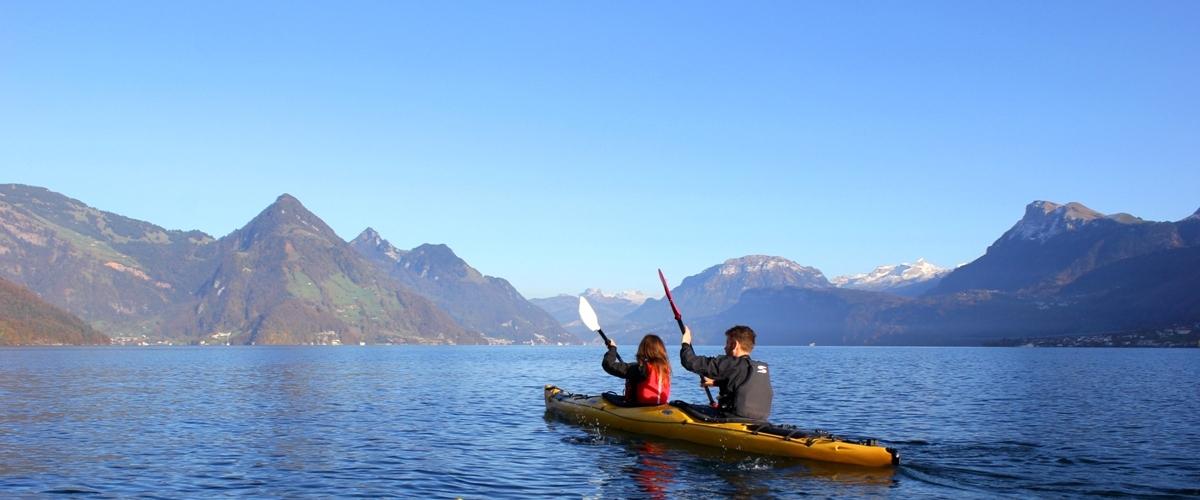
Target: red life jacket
<point x="655" y="389"/>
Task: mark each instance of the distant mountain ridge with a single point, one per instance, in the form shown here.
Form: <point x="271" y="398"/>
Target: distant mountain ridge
<point x="719" y="287"/>
<point x="483" y="303"/>
<point x="285" y="277"/>
<point x="632" y="297"/>
<point x="1044" y="220"/>
<point x="1061" y="269"/>
<point x="118" y="273"/>
<point x="902" y="279"/>
<point x="1053" y="245"/>
<point x="610" y="308"/>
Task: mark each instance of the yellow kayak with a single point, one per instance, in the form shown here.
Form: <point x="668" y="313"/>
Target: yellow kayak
<point x="686" y="422"/>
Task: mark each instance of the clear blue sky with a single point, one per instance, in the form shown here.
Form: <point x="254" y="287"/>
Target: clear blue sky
<point x="565" y="145"/>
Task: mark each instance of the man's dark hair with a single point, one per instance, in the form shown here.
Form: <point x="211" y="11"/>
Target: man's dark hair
<point x="743" y="335"/>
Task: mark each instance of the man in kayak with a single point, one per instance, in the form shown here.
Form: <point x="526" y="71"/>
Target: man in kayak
<point x="648" y="380"/>
<point x="745" y="383"/>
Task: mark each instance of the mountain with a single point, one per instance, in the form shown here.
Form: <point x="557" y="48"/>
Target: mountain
<point x="119" y="274"/>
<point x="484" y="303"/>
<point x="905" y="279"/>
<point x="371" y="245"/>
<point x="625" y="300"/>
<point x="798" y="316"/>
<point x="610" y="308"/>
<point x="1061" y="270"/>
<point x="26" y="319"/>
<point x="284" y="278"/>
<point x="1189" y="229"/>
<point x="1157" y="290"/>
<point x="719" y="287"/>
<point x="1053" y="245"/>
<point x="840" y="316"/>
<point x="287" y="278"/>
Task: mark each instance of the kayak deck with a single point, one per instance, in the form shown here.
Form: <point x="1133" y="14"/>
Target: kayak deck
<point x="678" y="421"/>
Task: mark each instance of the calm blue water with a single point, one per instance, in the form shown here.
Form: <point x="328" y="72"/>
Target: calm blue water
<point x="469" y="421"/>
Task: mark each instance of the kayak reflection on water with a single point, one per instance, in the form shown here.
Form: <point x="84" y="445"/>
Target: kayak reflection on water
<point x="653" y="473"/>
<point x="665" y="469"/>
<point x="660" y="465"/>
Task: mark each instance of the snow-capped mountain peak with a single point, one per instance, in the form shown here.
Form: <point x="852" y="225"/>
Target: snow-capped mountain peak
<point x="633" y="296"/>
<point x="892" y="276"/>
<point x="756" y="264"/>
<point x="718" y="287"/>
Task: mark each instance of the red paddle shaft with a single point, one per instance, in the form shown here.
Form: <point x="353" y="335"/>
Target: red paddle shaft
<point x="667" y="289"/>
<point x="679" y="320"/>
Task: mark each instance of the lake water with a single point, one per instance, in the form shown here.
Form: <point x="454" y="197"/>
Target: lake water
<point x="469" y="422"/>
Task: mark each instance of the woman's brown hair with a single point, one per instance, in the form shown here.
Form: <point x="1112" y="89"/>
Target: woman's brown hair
<point x="652" y="351"/>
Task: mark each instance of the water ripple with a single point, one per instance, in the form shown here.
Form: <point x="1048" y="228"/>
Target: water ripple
<point x="469" y="421"/>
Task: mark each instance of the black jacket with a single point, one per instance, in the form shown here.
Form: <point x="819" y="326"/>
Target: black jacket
<point x="632" y="372"/>
<point x="745" y="384"/>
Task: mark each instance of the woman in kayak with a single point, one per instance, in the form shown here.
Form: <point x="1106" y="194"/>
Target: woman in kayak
<point x="648" y="380"/>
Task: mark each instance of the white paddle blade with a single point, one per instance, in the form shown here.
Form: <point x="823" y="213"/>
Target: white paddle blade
<point x="588" y="315"/>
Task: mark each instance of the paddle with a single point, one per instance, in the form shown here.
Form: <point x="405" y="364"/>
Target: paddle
<point x="588" y="316"/>
<point x="679" y="321"/>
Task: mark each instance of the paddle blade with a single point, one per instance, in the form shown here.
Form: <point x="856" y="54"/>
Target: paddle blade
<point x="667" y="289"/>
<point x="588" y="315"/>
